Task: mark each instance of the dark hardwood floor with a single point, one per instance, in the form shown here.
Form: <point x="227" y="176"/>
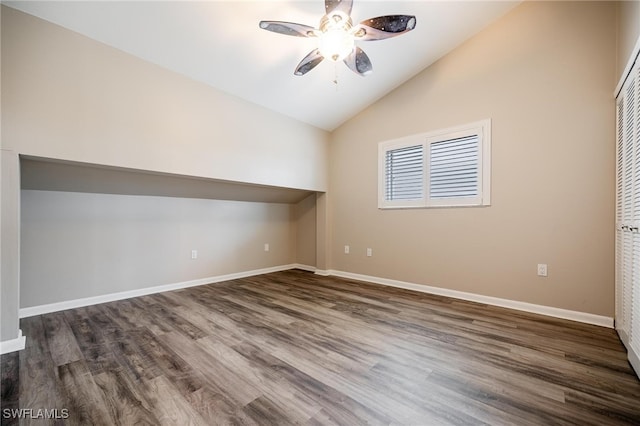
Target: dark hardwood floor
<point x="296" y="348"/>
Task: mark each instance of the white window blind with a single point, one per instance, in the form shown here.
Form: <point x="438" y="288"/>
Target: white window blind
<point x="445" y="168"/>
<point x="453" y="168"/>
<point x="404" y="173"/>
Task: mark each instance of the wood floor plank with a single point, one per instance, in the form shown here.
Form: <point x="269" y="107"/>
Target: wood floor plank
<point x="37" y="369"/>
<point x="83" y="398"/>
<point x="129" y="356"/>
<point x="263" y="411"/>
<point x="280" y="393"/>
<point x="336" y="405"/>
<point x="214" y="408"/>
<point x="62" y="343"/>
<point x="10" y="390"/>
<point x="295" y="348"/>
<point x="124" y="400"/>
<point x="171" y="408"/>
<point x="163" y="357"/>
<point x="215" y="373"/>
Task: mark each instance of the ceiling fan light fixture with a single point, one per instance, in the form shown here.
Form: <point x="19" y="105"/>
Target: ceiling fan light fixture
<point x="335" y="40"/>
<point x="335" y="44"/>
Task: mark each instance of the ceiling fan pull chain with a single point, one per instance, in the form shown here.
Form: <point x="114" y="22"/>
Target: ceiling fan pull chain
<point x="335" y="74"/>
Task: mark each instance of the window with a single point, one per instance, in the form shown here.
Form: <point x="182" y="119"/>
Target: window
<point x="446" y="168"/>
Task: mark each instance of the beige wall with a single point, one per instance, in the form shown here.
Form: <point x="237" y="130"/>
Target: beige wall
<point x="68" y="97"/>
<point x="305" y="215"/>
<point x="77" y="245"/>
<point x="9" y="245"/>
<point x="545" y="75"/>
<point x="628" y="32"/>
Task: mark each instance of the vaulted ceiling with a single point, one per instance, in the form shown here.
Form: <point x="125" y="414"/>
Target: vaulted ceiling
<point x="219" y="43"/>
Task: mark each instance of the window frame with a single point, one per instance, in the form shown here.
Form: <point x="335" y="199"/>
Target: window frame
<point x="481" y="129"/>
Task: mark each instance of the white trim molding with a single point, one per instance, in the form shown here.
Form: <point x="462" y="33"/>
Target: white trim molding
<point x="488" y="300"/>
<point x="634" y="360"/>
<point x="13" y="345"/>
<point x="307" y="268"/>
<point x="415" y="152"/>
<point x="624" y="337"/>
<point x="88" y="301"/>
<point x="627" y="70"/>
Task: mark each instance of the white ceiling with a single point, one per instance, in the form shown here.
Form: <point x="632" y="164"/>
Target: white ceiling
<point x="220" y="43"/>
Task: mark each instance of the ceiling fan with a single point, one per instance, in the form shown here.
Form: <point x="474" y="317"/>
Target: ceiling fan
<point x="337" y="35"/>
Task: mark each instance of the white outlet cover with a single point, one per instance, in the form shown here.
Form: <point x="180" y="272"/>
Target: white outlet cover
<point x="542" y="270"/>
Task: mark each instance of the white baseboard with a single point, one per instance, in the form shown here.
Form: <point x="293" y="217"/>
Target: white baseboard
<point x="13" y="345"/>
<point x="488" y="300"/>
<point x="624" y="337"/>
<point x="88" y="301"/>
<point x="506" y="303"/>
<point x="634" y="360"/>
<point x="307" y="268"/>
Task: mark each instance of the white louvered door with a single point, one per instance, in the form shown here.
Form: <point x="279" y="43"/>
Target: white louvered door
<point x="632" y="130"/>
<point x="622" y="325"/>
<point x="628" y="216"/>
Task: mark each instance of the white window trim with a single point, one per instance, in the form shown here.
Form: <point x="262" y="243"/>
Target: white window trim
<point x="482" y="128"/>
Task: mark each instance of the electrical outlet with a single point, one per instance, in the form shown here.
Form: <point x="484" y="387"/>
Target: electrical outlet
<point x="266" y="246"/>
<point x="346" y="249"/>
<point x="542" y="269"/>
<point x="369" y="252"/>
<point x="194" y="254"/>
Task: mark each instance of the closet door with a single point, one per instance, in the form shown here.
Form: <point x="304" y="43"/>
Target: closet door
<point x="632" y="131"/>
<point x="622" y="318"/>
<point x="628" y="216"/>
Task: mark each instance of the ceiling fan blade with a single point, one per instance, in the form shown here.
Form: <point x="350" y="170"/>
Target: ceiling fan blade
<point x="359" y="62"/>
<point x="343" y="6"/>
<point x="309" y="62"/>
<point x="384" y="27"/>
<point x="288" y="28"/>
